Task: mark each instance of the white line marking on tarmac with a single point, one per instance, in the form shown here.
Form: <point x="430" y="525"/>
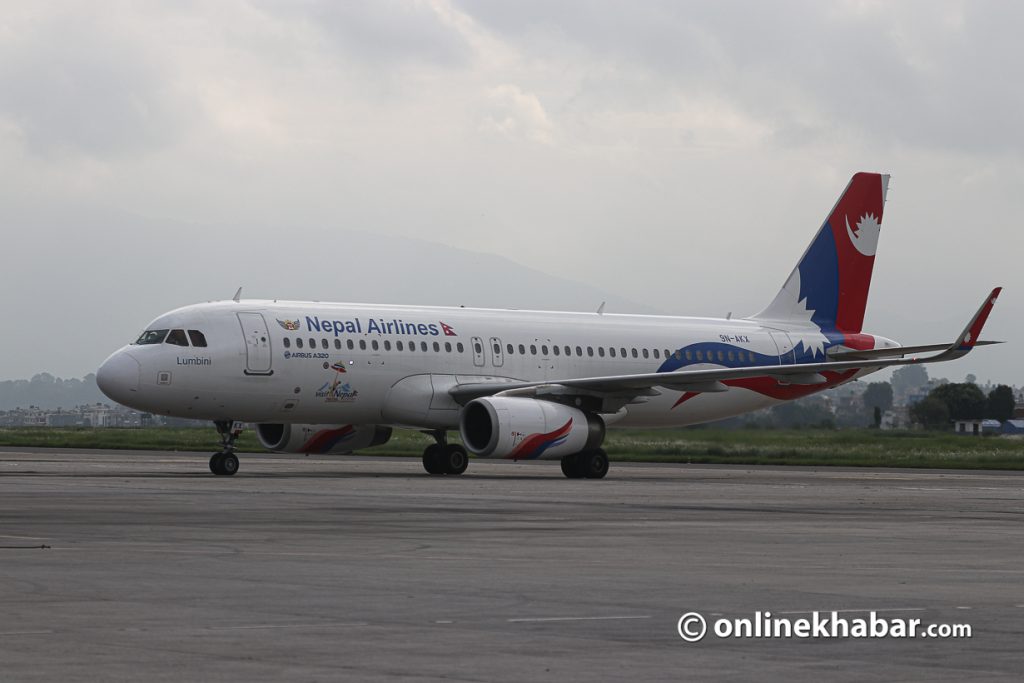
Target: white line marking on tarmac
<point x="25" y="538"/>
<point x="23" y="633"/>
<point x="254" y="627"/>
<point x="962" y="607"/>
<point x="608" y="618"/>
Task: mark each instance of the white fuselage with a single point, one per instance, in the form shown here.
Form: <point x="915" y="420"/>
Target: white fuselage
<point x="327" y="363"/>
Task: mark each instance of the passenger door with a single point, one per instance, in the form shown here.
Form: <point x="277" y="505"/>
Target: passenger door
<point x="257" y="344"/>
<point x="785" y="347"/>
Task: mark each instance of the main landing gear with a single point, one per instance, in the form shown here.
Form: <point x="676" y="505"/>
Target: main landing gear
<point x="225" y="462"/>
<point x="588" y="464"/>
<point x="443" y="457"/>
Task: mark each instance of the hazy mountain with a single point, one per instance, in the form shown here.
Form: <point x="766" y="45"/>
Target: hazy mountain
<point x="46" y="391"/>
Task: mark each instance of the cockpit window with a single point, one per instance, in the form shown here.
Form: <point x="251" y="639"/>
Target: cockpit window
<point x="197" y="337"/>
<point x="151" y="337"/>
<point x="177" y="337"/>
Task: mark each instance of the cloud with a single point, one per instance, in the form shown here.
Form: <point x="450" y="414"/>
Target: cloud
<point x="517" y="114"/>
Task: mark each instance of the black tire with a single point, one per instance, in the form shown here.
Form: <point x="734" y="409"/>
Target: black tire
<point x="215" y="463"/>
<point x="571" y="466"/>
<point x="594" y="464"/>
<point x="454" y="459"/>
<point x="228" y="464"/>
<point x="432" y="459"/>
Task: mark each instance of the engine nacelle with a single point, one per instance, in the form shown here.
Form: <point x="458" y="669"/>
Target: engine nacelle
<point x="320" y="439"/>
<point x="526" y="428"/>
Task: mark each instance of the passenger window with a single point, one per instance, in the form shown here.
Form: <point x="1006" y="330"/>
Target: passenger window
<point x="298" y="342"/>
<point x="437" y="347"/>
<point x="508" y="347"/>
<point x="611" y="351"/>
<point x="657" y="353"/>
<point x="375" y="345"/>
<point x="522" y="350"/>
<point x="600" y="351"/>
<point x="689" y="355"/>
<point x="700" y="355"/>
<point x="177" y="337"/>
<point x="362" y="344"/>
<point x="423" y="346"/>
<point x="387" y="345"/>
<point x="544" y="349"/>
<point x="635" y="354"/>
<point x="312" y="343"/>
<point x="497" y="349"/>
<point x="623" y="352"/>
<point x="579" y="351"/>
<point x="350" y="344"/>
<point x="721" y="356"/>
<point x="732" y="356"/>
<point x="477" y="347"/>
<point x="555" y="349"/>
<point x="533" y="349"/>
<point x="287" y="343"/>
<point x="590" y="351"/>
<point x="324" y="344"/>
<point x="460" y="347"/>
<point x="669" y="353"/>
<point x="151" y="337"/>
<point x="751" y="354"/>
<point x="646" y="354"/>
<point x="337" y="343"/>
<point x="412" y="346"/>
<point x="197" y="337"/>
<point x="398" y="345"/>
<point x="448" y="347"/>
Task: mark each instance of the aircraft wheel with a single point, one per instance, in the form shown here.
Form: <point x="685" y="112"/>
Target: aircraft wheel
<point x="432" y="459"/>
<point x="571" y="466"/>
<point x="454" y="459"/>
<point x="228" y="464"/>
<point x="594" y="464"/>
<point x="224" y="464"/>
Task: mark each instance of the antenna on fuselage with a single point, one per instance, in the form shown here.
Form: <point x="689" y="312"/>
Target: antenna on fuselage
<point x="238" y="296"/>
<point x="600" y="309"/>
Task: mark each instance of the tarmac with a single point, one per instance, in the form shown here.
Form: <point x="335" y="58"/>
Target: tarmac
<point x="127" y="566"/>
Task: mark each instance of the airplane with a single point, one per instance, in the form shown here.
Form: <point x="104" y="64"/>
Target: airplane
<point x="335" y="378"/>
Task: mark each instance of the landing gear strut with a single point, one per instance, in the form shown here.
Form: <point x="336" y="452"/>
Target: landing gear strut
<point x="443" y="457"/>
<point x="225" y="462"/>
<point x="588" y="464"/>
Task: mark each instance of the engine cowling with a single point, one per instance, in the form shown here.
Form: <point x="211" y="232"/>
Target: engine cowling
<point x="526" y="428"/>
<point x="320" y="439"/>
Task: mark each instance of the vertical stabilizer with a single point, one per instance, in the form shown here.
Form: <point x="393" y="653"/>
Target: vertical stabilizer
<point x="829" y="286"/>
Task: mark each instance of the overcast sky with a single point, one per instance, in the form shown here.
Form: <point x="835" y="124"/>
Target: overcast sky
<point x="676" y="155"/>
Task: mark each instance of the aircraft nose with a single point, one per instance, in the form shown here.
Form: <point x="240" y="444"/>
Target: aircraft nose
<point x="118" y="377"/>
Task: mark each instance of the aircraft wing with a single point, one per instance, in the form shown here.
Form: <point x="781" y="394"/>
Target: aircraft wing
<point x="700" y="381"/>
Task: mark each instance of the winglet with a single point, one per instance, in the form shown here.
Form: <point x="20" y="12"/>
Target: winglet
<point x="238" y="296"/>
<point x="969" y="337"/>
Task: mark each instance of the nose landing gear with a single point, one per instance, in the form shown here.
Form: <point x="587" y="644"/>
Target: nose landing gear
<point x="225" y="462"/>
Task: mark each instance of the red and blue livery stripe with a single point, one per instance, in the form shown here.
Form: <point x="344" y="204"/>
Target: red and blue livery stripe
<point x="326" y="439"/>
<point x="533" y="446"/>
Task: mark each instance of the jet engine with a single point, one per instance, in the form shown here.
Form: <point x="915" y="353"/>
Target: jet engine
<point x="525" y="428"/>
<point x="320" y="439"/>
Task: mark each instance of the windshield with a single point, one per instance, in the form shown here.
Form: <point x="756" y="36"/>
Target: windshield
<point x="151" y="337"/>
